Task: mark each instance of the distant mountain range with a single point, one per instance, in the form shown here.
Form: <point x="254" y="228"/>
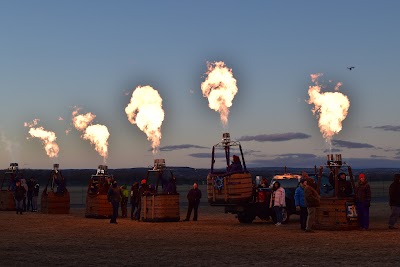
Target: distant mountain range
<point x="184" y="175"/>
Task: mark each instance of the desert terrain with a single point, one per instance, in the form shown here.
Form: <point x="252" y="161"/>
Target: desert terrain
<point x="217" y="239"/>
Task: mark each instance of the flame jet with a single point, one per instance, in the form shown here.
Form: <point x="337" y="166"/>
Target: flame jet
<point x="331" y="108"/>
<point x="48" y="138"/>
<point x="97" y="134"/>
<point x="220" y="89"/>
<point x="145" y="110"/>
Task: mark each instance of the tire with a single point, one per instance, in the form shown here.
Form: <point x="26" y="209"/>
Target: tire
<point x="285" y="216"/>
<point x="245" y="217"/>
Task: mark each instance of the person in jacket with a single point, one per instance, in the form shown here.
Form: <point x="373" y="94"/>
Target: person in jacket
<point x="134" y="199"/>
<point x="193" y="196"/>
<point x="35" y="195"/>
<point x="114" y="197"/>
<point x="124" y="201"/>
<point x="31" y="183"/>
<point x="363" y="201"/>
<point x="19" y="196"/>
<point x="24" y="184"/>
<point x="278" y="202"/>
<point x="301" y="204"/>
<point x="394" y="201"/>
<point x="236" y="165"/>
<point x="312" y="201"/>
<point x="170" y="187"/>
<point x="344" y="186"/>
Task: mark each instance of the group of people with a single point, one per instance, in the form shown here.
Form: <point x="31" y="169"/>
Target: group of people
<point x="307" y="200"/>
<point x="119" y="195"/>
<point x="26" y="195"/>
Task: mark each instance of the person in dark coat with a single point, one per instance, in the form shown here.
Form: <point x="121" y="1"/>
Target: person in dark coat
<point x="236" y="165"/>
<point x="134" y="199"/>
<point x="363" y="201"/>
<point x="170" y="188"/>
<point x="35" y="196"/>
<point x="344" y="186"/>
<point x="193" y="197"/>
<point x="31" y="183"/>
<point x="114" y="197"/>
<point x="312" y="200"/>
<point x="394" y="201"/>
<point x="19" y="196"/>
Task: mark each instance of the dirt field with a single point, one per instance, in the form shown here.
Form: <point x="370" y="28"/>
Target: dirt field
<point x="216" y="239"/>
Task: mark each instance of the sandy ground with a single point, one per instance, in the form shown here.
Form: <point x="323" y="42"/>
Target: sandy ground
<point x="217" y="239"/>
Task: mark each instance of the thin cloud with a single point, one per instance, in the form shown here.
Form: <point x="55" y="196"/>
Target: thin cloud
<point x="348" y="144"/>
<point x="180" y="147"/>
<point x="333" y="150"/>
<point x="274" y="137"/>
<point x="392" y="128"/>
<point x="377" y="156"/>
<point x="206" y="155"/>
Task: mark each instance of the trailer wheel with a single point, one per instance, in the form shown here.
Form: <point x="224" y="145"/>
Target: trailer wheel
<point x="245" y="217"/>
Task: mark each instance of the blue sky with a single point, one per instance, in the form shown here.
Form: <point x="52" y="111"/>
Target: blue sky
<point x="55" y="55"/>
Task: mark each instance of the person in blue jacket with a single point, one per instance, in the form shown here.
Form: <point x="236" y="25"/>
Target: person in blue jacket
<point x="301" y="204"/>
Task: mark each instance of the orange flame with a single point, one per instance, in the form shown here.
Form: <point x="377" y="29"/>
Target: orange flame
<point x="48" y="138"/>
<point x="81" y="122"/>
<point x="331" y="108"/>
<point x="145" y="110"/>
<point x="97" y="134"/>
<point x="220" y="89"/>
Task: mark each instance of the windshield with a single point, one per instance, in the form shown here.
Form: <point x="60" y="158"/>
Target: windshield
<point x="287" y="183"/>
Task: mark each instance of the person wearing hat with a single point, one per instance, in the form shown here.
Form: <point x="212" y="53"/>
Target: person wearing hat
<point x="301" y="204"/>
<point x="114" y="197"/>
<point x="144" y="188"/>
<point x="236" y="165"/>
<point x="363" y="201"/>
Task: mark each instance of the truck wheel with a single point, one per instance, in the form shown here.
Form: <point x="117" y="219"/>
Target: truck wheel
<point x="285" y="216"/>
<point x="244" y="217"/>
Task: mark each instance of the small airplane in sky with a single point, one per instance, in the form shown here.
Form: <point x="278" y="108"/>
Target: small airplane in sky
<point x="350" y="68"/>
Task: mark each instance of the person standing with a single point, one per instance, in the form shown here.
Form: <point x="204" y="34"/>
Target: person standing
<point x="301" y="204"/>
<point x="114" y="197"/>
<point x="19" y="196"/>
<point x="124" y="201"/>
<point x="312" y="201"/>
<point x="143" y="190"/>
<point x="394" y="201"/>
<point x="35" y="195"/>
<point x="278" y="202"/>
<point x="363" y="201"/>
<point x="193" y="196"/>
<point x="134" y="199"/>
<point x="31" y="184"/>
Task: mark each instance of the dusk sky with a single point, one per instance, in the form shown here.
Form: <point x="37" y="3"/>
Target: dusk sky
<point x="57" y="55"/>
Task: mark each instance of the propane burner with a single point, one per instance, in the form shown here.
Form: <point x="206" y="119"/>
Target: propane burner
<point x="334" y="162"/>
<point x="13" y="167"/>
<point x="159" y="164"/>
<point x="102" y="170"/>
<point x="56" y="167"/>
<point x="226" y="138"/>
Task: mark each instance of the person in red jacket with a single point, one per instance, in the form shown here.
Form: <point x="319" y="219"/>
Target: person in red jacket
<point x="363" y="201"/>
